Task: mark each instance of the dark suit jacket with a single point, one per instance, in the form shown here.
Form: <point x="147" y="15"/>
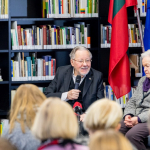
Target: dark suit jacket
<point x="93" y="87"/>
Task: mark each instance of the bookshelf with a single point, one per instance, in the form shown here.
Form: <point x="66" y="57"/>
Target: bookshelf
<point x="28" y="13"/>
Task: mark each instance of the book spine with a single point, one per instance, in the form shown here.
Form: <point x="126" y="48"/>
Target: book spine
<point x="49" y="65"/>
<point x="29" y="66"/>
<point x="44" y="35"/>
<point x="59" y="4"/>
<point x="45" y="59"/>
<point x="44" y="67"/>
<point x="11" y="68"/>
<point x="88" y="36"/>
<point x="33" y="65"/>
<point x="54" y="35"/>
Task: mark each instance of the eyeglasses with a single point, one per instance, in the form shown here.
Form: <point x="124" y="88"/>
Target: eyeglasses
<point x="82" y="61"/>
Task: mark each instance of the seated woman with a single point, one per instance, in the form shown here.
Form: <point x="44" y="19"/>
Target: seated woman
<point x="109" y="140"/>
<point x="25" y="105"/>
<point x="103" y="114"/>
<point x="56" y="126"/>
<point x="134" y="125"/>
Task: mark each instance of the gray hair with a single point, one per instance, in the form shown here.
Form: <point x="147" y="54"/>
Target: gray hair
<point x="72" y="54"/>
<point x="145" y="54"/>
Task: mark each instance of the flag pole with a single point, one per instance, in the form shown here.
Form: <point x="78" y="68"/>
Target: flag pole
<point x="140" y="29"/>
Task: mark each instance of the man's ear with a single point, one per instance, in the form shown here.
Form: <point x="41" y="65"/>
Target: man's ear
<point x="118" y="127"/>
<point x="72" y="62"/>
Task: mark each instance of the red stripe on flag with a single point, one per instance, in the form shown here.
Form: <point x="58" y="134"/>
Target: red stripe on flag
<point x="131" y="3"/>
<point x="119" y="72"/>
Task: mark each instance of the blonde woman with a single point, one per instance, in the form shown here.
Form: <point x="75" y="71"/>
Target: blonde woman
<point x="56" y="125"/>
<point x="109" y="140"/>
<point x="26" y="102"/>
<point x="103" y="114"/>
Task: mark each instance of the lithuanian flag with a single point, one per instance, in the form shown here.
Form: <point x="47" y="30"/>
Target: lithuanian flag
<point x="119" y="69"/>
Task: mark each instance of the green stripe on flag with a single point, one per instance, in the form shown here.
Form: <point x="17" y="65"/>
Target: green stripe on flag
<point x="118" y="4"/>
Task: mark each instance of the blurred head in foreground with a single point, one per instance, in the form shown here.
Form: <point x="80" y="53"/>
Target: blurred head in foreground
<point x="55" y="119"/>
<point x="25" y="104"/>
<point x="103" y="114"/>
<point x="109" y="140"/>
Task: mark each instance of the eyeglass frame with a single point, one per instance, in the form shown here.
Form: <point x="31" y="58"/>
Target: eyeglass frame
<point x="82" y="61"/>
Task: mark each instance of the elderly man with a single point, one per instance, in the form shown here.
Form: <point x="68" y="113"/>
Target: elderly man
<point x="91" y="84"/>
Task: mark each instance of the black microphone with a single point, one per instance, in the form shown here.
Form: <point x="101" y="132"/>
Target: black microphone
<point x="78" y="79"/>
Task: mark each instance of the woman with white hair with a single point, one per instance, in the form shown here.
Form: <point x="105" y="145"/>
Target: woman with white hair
<point x="134" y="125"/>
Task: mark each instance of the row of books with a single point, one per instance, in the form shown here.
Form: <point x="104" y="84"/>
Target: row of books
<point x="135" y="65"/>
<point x="123" y="100"/>
<point x="32" y="68"/>
<point x="3" y="9"/>
<point x="134" y="35"/>
<point x="69" y="8"/>
<point x="142" y="7"/>
<point x="49" y="36"/>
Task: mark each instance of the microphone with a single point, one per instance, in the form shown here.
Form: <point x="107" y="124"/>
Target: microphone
<point x="77" y="82"/>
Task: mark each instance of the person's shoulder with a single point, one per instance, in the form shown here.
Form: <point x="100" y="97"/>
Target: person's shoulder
<point x="142" y="79"/>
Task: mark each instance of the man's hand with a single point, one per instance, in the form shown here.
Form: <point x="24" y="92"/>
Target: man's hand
<point x="128" y="121"/>
<point x="73" y="94"/>
<point x="82" y="117"/>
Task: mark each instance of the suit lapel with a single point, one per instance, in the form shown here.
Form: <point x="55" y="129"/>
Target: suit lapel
<point x="88" y="81"/>
<point x="67" y="78"/>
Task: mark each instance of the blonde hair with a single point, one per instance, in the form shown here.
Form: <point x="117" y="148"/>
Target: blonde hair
<point x="109" y="140"/>
<point x="55" y="119"/>
<point x="26" y="101"/>
<point x="103" y="114"/>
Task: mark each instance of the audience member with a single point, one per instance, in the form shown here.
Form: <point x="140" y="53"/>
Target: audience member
<point x="56" y="126"/>
<point x="24" y="107"/>
<point x="134" y="125"/>
<point x="109" y="140"/>
<point x="6" y="145"/>
<point x="103" y="114"/>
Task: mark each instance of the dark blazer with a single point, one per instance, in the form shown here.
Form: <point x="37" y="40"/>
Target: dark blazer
<point x="93" y="87"/>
